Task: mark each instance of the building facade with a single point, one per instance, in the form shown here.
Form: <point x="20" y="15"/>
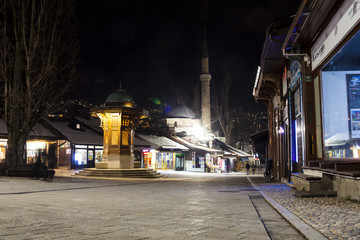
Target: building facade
<point x="309" y="79"/>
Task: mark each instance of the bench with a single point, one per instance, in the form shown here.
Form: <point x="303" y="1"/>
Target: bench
<point x="343" y="167"/>
<point x="350" y="166"/>
<point x="27" y="170"/>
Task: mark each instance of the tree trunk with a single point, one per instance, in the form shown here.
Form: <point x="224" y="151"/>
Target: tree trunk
<point x="38" y="49"/>
<point x="15" y="152"/>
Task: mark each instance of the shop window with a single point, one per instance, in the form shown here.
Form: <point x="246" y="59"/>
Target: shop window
<point x="80" y="156"/>
<point x="165" y="160"/>
<point x="98" y="155"/>
<point x="341" y="102"/>
<point x="3" y="145"/>
<point x="2" y="154"/>
<point x="35" y="150"/>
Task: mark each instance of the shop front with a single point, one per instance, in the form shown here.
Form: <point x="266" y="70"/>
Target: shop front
<point x="336" y="74"/>
<point x="36" y="150"/>
<point x="86" y="155"/>
<point x="296" y="115"/>
<point x="163" y="160"/>
<point x="3" y="147"/>
<point x="161" y="152"/>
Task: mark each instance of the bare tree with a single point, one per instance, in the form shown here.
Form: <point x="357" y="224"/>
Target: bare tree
<point x="38" y="49"/>
<point x="222" y="108"/>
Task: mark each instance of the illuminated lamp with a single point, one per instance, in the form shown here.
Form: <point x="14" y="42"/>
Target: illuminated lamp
<point x="281" y="130"/>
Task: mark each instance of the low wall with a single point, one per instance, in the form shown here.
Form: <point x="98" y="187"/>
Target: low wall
<point x="347" y="188"/>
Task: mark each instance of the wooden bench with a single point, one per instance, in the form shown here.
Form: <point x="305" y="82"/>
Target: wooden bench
<point x="27" y="170"/>
<point x="349" y="166"/>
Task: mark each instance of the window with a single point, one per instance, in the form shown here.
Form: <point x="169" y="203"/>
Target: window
<point x="80" y="156"/>
<point x="340" y="89"/>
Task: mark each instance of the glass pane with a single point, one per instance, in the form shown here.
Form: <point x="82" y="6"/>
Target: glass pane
<point x="90" y="155"/>
<point x="341" y="102"/>
<point x="98" y="155"/>
<point x="80" y="156"/>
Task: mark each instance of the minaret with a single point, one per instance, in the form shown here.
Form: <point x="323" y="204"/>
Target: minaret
<point x="205" y="87"/>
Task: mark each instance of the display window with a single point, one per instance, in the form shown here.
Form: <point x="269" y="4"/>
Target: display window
<point x="340" y="88"/>
<point x="98" y="155"/>
<point x="165" y="160"/>
<point x="34" y="150"/>
<point x="80" y="156"/>
<point x="2" y="154"/>
<point x="3" y="146"/>
<point x="147" y="156"/>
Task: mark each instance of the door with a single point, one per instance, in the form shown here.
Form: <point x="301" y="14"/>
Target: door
<point x="90" y="160"/>
<point x="179" y="162"/>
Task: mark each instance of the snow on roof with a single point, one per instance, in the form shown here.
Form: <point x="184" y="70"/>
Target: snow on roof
<point x="37" y="131"/>
<point x="194" y="146"/>
<point x="93" y="123"/>
<point x="138" y="143"/>
<point x="40" y="131"/>
<point x="83" y="136"/>
<point x="231" y="149"/>
<point x="161" y="142"/>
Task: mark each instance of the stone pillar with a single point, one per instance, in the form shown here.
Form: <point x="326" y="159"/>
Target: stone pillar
<point x="205" y="101"/>
<point x="205" y="88"/>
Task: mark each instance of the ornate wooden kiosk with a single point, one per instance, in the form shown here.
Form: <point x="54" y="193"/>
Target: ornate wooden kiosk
<point x="117" y="116"/>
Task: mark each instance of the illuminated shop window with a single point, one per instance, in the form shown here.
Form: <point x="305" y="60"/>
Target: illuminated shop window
<point x="3" y="145"/>
<point x="98" y="155"/>
<point x="34" y="150"/>
<point x="165" y="160"/>
<point x="341" y="102"/>
<point x="80" y="156"/>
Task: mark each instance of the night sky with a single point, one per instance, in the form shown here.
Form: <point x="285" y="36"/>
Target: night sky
<point x="154" y="47"/>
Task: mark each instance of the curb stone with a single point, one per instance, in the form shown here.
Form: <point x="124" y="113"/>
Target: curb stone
<point x="305" y="229"/>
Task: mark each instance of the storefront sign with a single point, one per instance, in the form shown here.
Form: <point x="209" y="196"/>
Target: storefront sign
<point x="295" y="74"/>
<point x="344" y="21"/>
<point x="193" y="156"/>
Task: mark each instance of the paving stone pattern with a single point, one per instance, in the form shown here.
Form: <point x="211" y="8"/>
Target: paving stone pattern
<point x="335" y="218"/>
<point x="187" y="207"/>
<point x="155" y="210"/>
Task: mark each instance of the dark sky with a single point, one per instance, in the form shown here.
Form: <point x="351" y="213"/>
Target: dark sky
<point x="154" y="46"/>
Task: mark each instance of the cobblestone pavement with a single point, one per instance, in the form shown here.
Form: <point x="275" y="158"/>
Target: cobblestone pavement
<point x="185" y="206"/>
<point x="335" y="218"/>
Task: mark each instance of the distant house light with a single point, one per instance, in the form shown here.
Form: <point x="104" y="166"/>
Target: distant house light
<point x="78" y="126"/>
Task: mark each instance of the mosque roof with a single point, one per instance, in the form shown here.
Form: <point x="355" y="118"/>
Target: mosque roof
<point x="120" y="98"/>
<point x="181" y="112"/>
